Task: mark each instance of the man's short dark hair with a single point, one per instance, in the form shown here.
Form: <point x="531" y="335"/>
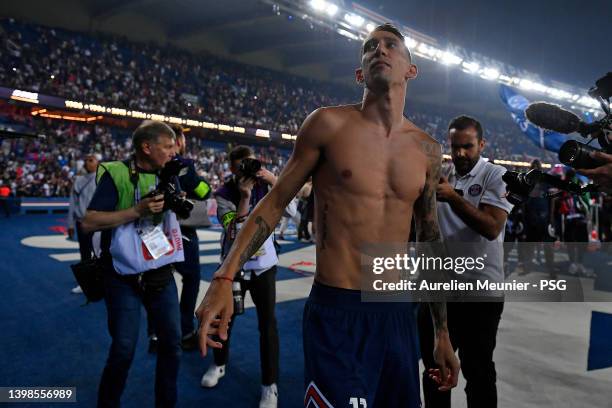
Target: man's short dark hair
<point x="240" y="152"/>
<point x="390" y="28"/>
<point x="178" y="129"/>
<point x="150" y="131"/>
<point x="464" y="122"/>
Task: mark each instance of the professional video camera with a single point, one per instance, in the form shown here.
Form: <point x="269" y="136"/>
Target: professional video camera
<point x="172" y="198"/>
<point x="572" y="153"/>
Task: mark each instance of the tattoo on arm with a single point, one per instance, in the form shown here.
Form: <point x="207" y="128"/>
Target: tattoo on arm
<point x="261" y="234"/>
<point x="438" y="314"/>
<point x="427" y="220"/>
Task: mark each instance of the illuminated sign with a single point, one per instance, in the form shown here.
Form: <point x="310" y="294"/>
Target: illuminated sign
<point x="25" y="96"/>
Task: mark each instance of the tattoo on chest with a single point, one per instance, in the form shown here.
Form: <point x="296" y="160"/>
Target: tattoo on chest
<point x="262" y="233"/>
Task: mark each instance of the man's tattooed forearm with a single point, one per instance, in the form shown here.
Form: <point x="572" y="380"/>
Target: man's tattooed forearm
<point x="438" y="314"/>
<point x="262" y="233"/>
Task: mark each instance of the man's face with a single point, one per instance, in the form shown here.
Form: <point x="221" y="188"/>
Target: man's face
<point x="180" y="145"/>
<point x="91" y="164"/>
<point x="161" y="152"/>
<point x="384" y="62"/>
<point x="465" y="149"/>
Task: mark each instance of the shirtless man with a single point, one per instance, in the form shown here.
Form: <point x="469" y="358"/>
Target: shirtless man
<point x="371" y="169"/>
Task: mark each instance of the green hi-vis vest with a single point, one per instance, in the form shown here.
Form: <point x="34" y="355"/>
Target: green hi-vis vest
<point x="120" y="173"/>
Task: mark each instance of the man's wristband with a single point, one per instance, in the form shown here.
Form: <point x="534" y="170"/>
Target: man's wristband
<point x="223" y="278"/>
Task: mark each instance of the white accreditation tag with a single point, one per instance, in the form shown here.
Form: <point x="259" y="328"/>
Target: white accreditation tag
<point x="155" y="240"/>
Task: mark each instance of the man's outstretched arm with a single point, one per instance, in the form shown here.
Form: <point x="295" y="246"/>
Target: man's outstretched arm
<point x="428" y="231"/>
<point x="217" y="306"/>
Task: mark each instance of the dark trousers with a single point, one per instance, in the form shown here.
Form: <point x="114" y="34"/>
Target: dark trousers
<point x="473" y="330"/>
<point x="537" y="236"/>
<point x="85" y="243"/>
<point x="124" y="300"/>
<point x="302" y="231"/>
<point x="263" y="292"/>
<point x="190" y="272"/>
<point x="576" y="231"/>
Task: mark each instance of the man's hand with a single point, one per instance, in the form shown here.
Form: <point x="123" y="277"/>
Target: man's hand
<point x="267" y="176"/>
<point x="602" y="175"/>
<point x="70" y="233"/>
<point x="444" y="191"/>
<point x="447" y="375"/>
<point x="150" y="205"/>
<point x="245" y="185"/>
<point x="214" y="314"/>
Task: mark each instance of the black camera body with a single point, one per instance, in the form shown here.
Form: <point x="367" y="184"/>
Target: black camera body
<point x="172" y="198"/>
<point x="572" y="153"/>
<point x="520" y="185"/>
<point x="249" y="167"/>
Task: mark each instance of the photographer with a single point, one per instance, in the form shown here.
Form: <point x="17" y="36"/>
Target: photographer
<point x="576" y="211"/>
<point x="196" y="189"/>
<point x="538" y="222"/>
<point x="140" y="242"/>
<point x="82" y="191"/>
<point x="235" y="200"/>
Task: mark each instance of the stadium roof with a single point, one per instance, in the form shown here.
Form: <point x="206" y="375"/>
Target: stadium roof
<point x="259" y="32"/>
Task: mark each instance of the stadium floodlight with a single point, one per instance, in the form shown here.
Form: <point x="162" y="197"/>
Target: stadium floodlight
<point x="490" y="73"/>
<point x="370" y="27"/>
<point x="471" y="67"/>
<point x="429" y="50"/>
<point x="526" y="84"/>
<point x="449" y="58"/>
<point x="347" y="34"/>
<point x="354" y="20"/>
<point x="319" y="5"/>
<point x="410" y="42"/>
<point x="331" y="10"/>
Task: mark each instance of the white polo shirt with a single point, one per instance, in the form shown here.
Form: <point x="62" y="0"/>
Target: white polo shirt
<point x="482" y="185"/>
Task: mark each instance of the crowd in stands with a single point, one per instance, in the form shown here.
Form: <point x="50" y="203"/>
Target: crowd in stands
<point x="46" y="167"/>
<point x="113" y="71"/>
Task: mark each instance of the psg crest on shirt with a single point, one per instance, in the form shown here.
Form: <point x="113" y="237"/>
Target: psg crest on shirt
<point x="475" y="189"/>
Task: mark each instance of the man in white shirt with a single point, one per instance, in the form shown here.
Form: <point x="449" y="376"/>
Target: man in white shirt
<point x="472" y="212"/>
<point x="81" y="194"/>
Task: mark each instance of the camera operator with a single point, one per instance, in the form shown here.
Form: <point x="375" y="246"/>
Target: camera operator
<point x="81" y="193"/>
<point x="538" y="222"/>
<point x="576" y="210"/>
<point x="235" y="200"/>
<point x="140" y="241"/>
<point x="197" y="189"/>
<point x="602" y="175"/>
<point x="471" y="208"/>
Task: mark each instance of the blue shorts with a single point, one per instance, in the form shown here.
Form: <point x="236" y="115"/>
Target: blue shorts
<point x="359" y="354"/>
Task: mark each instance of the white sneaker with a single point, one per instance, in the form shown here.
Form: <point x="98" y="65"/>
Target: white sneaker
<point x="76" y="290"/>
<point x="269" y="396"/>
<point x="212" y="376"/>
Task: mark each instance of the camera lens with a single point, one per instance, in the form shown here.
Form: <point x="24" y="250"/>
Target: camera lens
<point x="576" y="155"/>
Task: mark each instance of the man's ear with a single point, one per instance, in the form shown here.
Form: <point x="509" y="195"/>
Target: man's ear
<point x="412" y="73"/>
<point x="359" y="75"/>
<point x="145" y="147"/>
